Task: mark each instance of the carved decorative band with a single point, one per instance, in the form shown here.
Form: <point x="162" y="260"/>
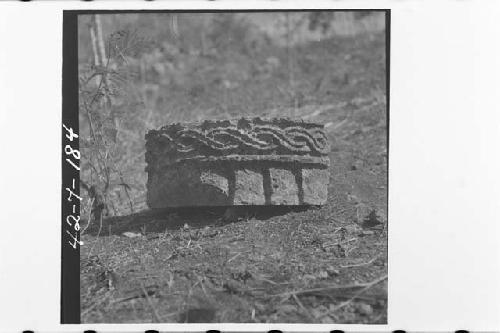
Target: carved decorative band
<point x="245" y="136"/>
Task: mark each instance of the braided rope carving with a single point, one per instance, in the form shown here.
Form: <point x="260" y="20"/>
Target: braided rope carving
<point x="246" y="136"/>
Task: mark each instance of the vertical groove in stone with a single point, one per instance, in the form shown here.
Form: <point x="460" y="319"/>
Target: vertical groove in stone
<point x="231" y="180"/>
<point x="300" y="184"/>
<point x="266" y="175"/>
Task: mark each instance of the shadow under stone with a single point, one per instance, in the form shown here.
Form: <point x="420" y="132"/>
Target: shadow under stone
<point x="160" y="220"/>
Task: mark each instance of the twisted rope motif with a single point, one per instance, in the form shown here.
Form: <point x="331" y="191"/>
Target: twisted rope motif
<point x="262" y="139"/>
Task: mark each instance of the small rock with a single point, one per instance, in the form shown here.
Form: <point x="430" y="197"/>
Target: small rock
<point x="323" y="275"/>
<point x="131" y="234"/>
<point x="365" y="309"/>
<point x="332" y="271"/>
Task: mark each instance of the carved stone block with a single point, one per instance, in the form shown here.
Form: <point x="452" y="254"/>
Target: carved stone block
<point x="250" y="161"/>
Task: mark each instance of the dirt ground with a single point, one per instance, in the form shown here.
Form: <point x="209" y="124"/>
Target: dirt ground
<point x="317" y="265"/>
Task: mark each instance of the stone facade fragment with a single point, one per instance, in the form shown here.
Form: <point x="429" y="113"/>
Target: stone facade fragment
<point x="250" y="161"/>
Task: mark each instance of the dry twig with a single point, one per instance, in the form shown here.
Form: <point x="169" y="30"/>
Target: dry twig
<point x="368" y="286"/>
<point x="297" y="300"/>
<point x="363" y="263"/>
<point x="332" y="288"/>
<point x="153" y="310"/>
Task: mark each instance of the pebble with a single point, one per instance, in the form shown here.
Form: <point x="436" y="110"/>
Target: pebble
<point x="332" y="271"/>
<point x="365" y="309"/>
<point x="323" y="274"/>
<point x="131" y="234"/>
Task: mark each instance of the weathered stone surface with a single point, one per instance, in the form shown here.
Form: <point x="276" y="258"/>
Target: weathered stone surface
<point x="180" y="186"/>
<point x="284" y="187"/>
<point x="237" y="162"/>
<point x="249" y="188"/>
<point x="313" y="180"/>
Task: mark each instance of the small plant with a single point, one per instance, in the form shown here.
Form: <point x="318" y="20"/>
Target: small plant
<point x="102" y="96"/>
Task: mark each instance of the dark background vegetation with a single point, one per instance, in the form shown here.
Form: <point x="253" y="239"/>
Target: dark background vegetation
<point x="140" y="71"/>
